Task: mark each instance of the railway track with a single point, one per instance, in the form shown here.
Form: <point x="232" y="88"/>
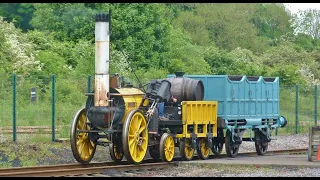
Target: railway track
<point x="92" y="168"/>
<point x="30" y="129"/>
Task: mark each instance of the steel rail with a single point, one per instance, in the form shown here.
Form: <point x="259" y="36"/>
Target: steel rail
<point x="78" y="169"/>
<point x="84" y="170"/>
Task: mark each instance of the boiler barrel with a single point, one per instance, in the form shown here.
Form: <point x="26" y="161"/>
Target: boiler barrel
<point x="186" y="89"/>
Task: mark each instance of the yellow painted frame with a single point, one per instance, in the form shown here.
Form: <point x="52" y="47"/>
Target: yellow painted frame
<point x="199" y="113"/>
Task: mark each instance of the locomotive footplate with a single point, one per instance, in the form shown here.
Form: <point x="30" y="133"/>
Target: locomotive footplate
<point x="170" y="123"/>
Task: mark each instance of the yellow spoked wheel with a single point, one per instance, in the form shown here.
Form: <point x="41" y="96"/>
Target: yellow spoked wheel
<point x="115" y="152"/>
<point x="135" y="136"/>
<point x="82" y="147"/>
<point x="186" y="150"/>
<point x="203" y="150"/>
<point x="166" y="147"/>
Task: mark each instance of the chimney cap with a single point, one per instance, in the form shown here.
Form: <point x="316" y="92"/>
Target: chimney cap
<point x="179" y="73"/>
<point x="102" y="17"/>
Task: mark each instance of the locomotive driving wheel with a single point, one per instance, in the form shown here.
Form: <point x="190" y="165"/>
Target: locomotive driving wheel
<point x="82" y="147"/>
<point x="166" y="147"/>
<point x="261" y="142"/>
<point x="232" y="148"/>
<point x="115" y="147"/>
<point x="135" y="136"/>
<point x="186" y="150"/>
<point x="217" y="145"/>
<point x="115" y="152"/>
<point x="203" y="150"/>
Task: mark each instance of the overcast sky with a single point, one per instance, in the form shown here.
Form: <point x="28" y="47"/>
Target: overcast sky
<point x="295" y="7"/>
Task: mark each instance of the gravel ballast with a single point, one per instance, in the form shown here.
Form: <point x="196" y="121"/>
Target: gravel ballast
<point x="23" y="154"/>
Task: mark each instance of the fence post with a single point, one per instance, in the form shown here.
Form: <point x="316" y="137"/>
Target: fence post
<point x="14" y="107"/>
<point x="53" y="101"/>
<point x="89" y="83"/>
<point x="315" y="105"/>
<point x="297" y="96"/>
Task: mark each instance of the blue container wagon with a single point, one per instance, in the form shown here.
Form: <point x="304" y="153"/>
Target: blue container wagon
<point x="244" y="103"/>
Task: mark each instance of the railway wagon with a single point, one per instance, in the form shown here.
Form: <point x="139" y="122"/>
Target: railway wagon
<point x="245" y="103"/>
<point x="125" y="119"/>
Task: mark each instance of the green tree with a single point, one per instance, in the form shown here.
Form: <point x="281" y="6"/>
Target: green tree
<point x="17" y="53"/>
<point x="185" y="56"/>
<point x="306" y="42"/>
<point x="308" y="22"/>
<point x="272" y="20"/>
<point x="18" y="13"/>
<point x="138" y="29"/>
<point x="223" y="25"/>
<point x="291" y="64"/>
<point x="66" y="21"/>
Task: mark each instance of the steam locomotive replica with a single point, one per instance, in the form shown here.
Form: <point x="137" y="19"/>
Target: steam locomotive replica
<point x="210" y="111"/>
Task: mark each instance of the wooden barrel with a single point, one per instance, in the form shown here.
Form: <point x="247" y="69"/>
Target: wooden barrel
<point x="186" y="89"/>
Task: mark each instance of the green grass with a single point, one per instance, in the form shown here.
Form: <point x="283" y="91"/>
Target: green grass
<point x="27" y="154"/>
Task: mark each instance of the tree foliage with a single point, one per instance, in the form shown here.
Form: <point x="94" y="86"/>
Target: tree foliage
<point x="18" y="13"/>
<point x="17" y="53"/>
<point x="153" y="40"/>
<point x="308" y="22"/>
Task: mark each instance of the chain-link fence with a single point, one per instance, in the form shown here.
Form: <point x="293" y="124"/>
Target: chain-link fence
<point x="299" y="106"/>
<point x="41" y="105"/>
<point x="37" y="105"/>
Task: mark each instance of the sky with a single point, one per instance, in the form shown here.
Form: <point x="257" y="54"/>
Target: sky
<point x="295" y="7"/>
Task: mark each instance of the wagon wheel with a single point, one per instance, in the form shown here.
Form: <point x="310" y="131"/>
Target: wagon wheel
<point x="232" y="149"/>
<point x="116" y="153"/>
<point x="82" y="147"/>
<point x="261" y="142"/>
<point x="217" y="145"/>
<point x="154" y="152"/>
<point x="166" y="147"/>
<point x="135" y="136"/>
<point x="203" y="150"/>
<point x="186" y="150"/>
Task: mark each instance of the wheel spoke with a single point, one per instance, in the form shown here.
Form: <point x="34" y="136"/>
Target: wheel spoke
<point x="135" y="149"/>
<point x="131" y="130"/>
<point x="135" y="121"/>
<point x="80" y="148"/>
<point x="133" y="125"/>
<point x="132" y="148"/>
<point x="92" y="144"/>
<point x="86" y="150"/>
<point x="131" y="142"/>
<point x="142" y="148"/>
<point x="79" y="126"/>
<point x="79" y="141"/>
<point x="83" y="121"/>
<point x="80" y="136"/>
<point x="139" y="122"/>
<point x="142" y="128"/>
<point x="171" y="141"/>
<point x="87" y="126"/>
